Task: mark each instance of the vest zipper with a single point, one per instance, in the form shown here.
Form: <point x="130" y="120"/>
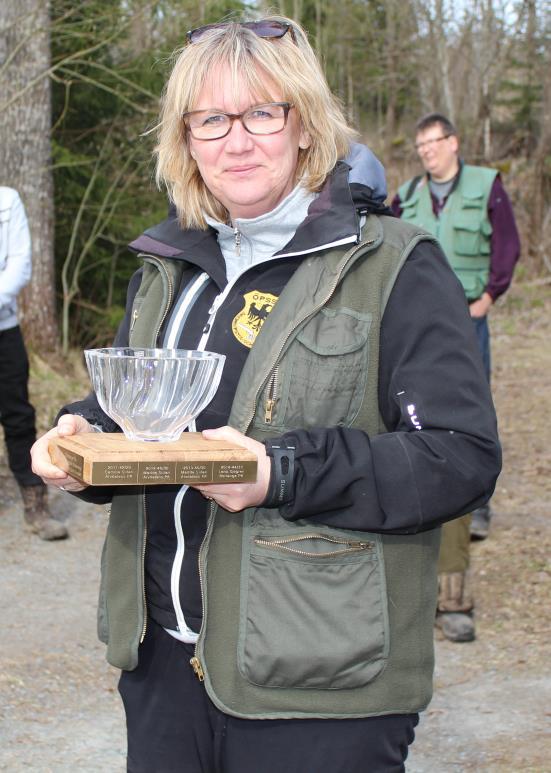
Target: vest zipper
<point x="237" y="238"/>
<point x="162" y="269"/>
<point x="284" y="544"/>
<point x="197" y="668"/>
<point x="195" y="661"/>
<point x="144" y="627"/>
<point x="273" y="388"/>
<point x="320" y="305"/>
<point x="134" y="318"/>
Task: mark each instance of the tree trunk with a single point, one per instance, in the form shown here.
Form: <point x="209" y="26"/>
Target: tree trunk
<point x="539" y="237"/>
<point x="25" y="106"/>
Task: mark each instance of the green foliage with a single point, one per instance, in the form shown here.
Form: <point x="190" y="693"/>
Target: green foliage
<point x="111" y="58"/>
<point x="110" y="62"/>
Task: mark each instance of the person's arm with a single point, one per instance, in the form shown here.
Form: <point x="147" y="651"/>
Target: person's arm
<point x="409" y="479"/>
<point x="17" y="268"/>
<point x="505" y="241"/>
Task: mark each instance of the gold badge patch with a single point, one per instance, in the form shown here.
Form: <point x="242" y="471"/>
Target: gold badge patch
<point x="247" y="323"/>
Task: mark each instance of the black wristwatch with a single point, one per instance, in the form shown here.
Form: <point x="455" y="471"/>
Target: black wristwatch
<point x="282" y="459"/>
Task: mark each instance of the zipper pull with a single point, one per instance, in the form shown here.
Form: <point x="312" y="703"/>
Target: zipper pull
<point x="272" y="395"/>
<point x="237" y="237"/>
<point x="270" y="402"/>
<point x="134" y="318"/>
<point x="215" y="304"/>
<point x="197" y="668"/>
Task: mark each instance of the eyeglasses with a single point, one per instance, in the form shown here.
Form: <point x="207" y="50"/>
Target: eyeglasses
<point x="265" y="28"/>
<point x="269" y="118"/>
<point x="429" y="143"/>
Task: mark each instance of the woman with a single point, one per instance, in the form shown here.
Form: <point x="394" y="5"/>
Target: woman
<point x="353" y="375"/>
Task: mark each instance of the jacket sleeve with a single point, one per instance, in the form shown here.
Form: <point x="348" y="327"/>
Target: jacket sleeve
<point x="17" y="268"/>
<point x="440" y="457"/>
<point x="396" y="206"/>
<point x="505" y="241"/>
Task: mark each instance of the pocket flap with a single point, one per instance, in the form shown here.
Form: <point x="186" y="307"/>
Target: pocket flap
<point x="335" y="332"/>
<point x="472" y="200"/>
<point x="466" y="225"/>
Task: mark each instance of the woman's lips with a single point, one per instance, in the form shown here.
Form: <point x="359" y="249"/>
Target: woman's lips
<point x="241" y="170"/>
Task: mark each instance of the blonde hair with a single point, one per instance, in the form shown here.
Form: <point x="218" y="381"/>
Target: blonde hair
<point x="290" y="64"/>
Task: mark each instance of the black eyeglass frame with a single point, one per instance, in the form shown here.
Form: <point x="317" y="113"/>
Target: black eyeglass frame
<point x="265" y="28"/>
<point x="239" y="116"/>
<point x="419" y="145"/>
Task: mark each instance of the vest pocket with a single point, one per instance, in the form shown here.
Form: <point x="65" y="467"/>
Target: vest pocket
<point x="467" y="239"/>
<point x="321" y="378"/>
<point x="313" y="609"/>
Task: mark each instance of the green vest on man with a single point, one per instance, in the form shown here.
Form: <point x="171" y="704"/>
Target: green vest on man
<point x="462" y="227"/>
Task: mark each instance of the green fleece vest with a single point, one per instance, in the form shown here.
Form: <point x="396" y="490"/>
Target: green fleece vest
<point x="300" y="620"/>
<point x="462" y="228"/>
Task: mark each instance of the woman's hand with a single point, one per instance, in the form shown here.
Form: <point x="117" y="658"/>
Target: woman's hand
<point x="41" y="462"/>
<point x="237" y="496"/>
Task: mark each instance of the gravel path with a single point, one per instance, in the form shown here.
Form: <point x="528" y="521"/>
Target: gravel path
<point x="59" y="707"/>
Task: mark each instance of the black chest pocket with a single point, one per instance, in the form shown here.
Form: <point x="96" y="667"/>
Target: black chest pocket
<point x="321" y="379"/>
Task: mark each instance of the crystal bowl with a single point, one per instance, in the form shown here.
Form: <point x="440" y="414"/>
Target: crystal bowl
<point x="153" y="394"/>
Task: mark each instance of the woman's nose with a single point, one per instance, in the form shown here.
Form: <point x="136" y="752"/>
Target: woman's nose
<point x="238" y="140"/>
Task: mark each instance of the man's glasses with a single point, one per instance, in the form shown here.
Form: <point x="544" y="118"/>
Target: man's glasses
<point x="269" y="118"/>
<point x="265" y="28"/>
<point x="429" y="143"/>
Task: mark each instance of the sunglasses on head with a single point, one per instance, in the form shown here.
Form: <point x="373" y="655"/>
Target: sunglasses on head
<point x="265" y="28"/>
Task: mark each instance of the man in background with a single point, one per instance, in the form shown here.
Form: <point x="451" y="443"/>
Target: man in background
<point x="467" y="209"/>
<point x="17" y="415"/>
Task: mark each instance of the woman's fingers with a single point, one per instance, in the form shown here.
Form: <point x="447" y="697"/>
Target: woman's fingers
<point x="40" y="455"/>
<point x="238" y="496"/>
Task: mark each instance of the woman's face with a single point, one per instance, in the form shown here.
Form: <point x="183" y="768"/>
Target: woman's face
<point x="249" y="174"/>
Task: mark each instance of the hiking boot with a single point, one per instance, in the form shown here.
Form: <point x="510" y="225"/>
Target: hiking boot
<point x="37" y="515"/>
<point x="456" y="626"/>
<point x="455" y="607"/>
<point x="480" y="522"/>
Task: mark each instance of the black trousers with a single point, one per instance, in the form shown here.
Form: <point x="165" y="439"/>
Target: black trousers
<point x="173" y="727"/>
<point x="16" y="413"/>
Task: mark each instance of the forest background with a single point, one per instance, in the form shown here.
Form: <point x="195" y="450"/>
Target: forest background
<point x="79" y="90"/>
<point x="79" y="93"/>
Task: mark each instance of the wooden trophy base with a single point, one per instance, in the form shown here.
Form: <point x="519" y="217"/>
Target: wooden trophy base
<point x="109" y="459"/>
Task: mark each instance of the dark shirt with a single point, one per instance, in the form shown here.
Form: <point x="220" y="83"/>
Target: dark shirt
<point x="505" y="242"/>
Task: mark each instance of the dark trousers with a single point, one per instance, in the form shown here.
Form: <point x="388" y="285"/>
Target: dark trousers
<point x="483" y="337"/>
<point x="16" y="412"/>
<point x="173" y="727"/>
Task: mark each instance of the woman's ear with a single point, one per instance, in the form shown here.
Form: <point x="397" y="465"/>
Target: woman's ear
<point x="304" y="140"/>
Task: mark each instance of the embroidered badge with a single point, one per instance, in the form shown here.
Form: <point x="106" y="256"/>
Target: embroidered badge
<point x="246" y="325"/>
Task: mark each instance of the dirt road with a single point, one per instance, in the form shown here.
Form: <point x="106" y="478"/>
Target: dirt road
<point x="59" y="707"/>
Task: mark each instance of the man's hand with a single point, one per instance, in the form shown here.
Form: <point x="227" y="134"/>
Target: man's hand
<point x="41" y="462"/>
<point x="237" y="496"/>
<point x="481" y="306"/>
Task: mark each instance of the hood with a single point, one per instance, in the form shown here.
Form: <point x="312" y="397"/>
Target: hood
<point x="366" y="170"/>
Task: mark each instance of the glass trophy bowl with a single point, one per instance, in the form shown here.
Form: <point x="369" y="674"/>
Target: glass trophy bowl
<point x="153" y="394"/>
